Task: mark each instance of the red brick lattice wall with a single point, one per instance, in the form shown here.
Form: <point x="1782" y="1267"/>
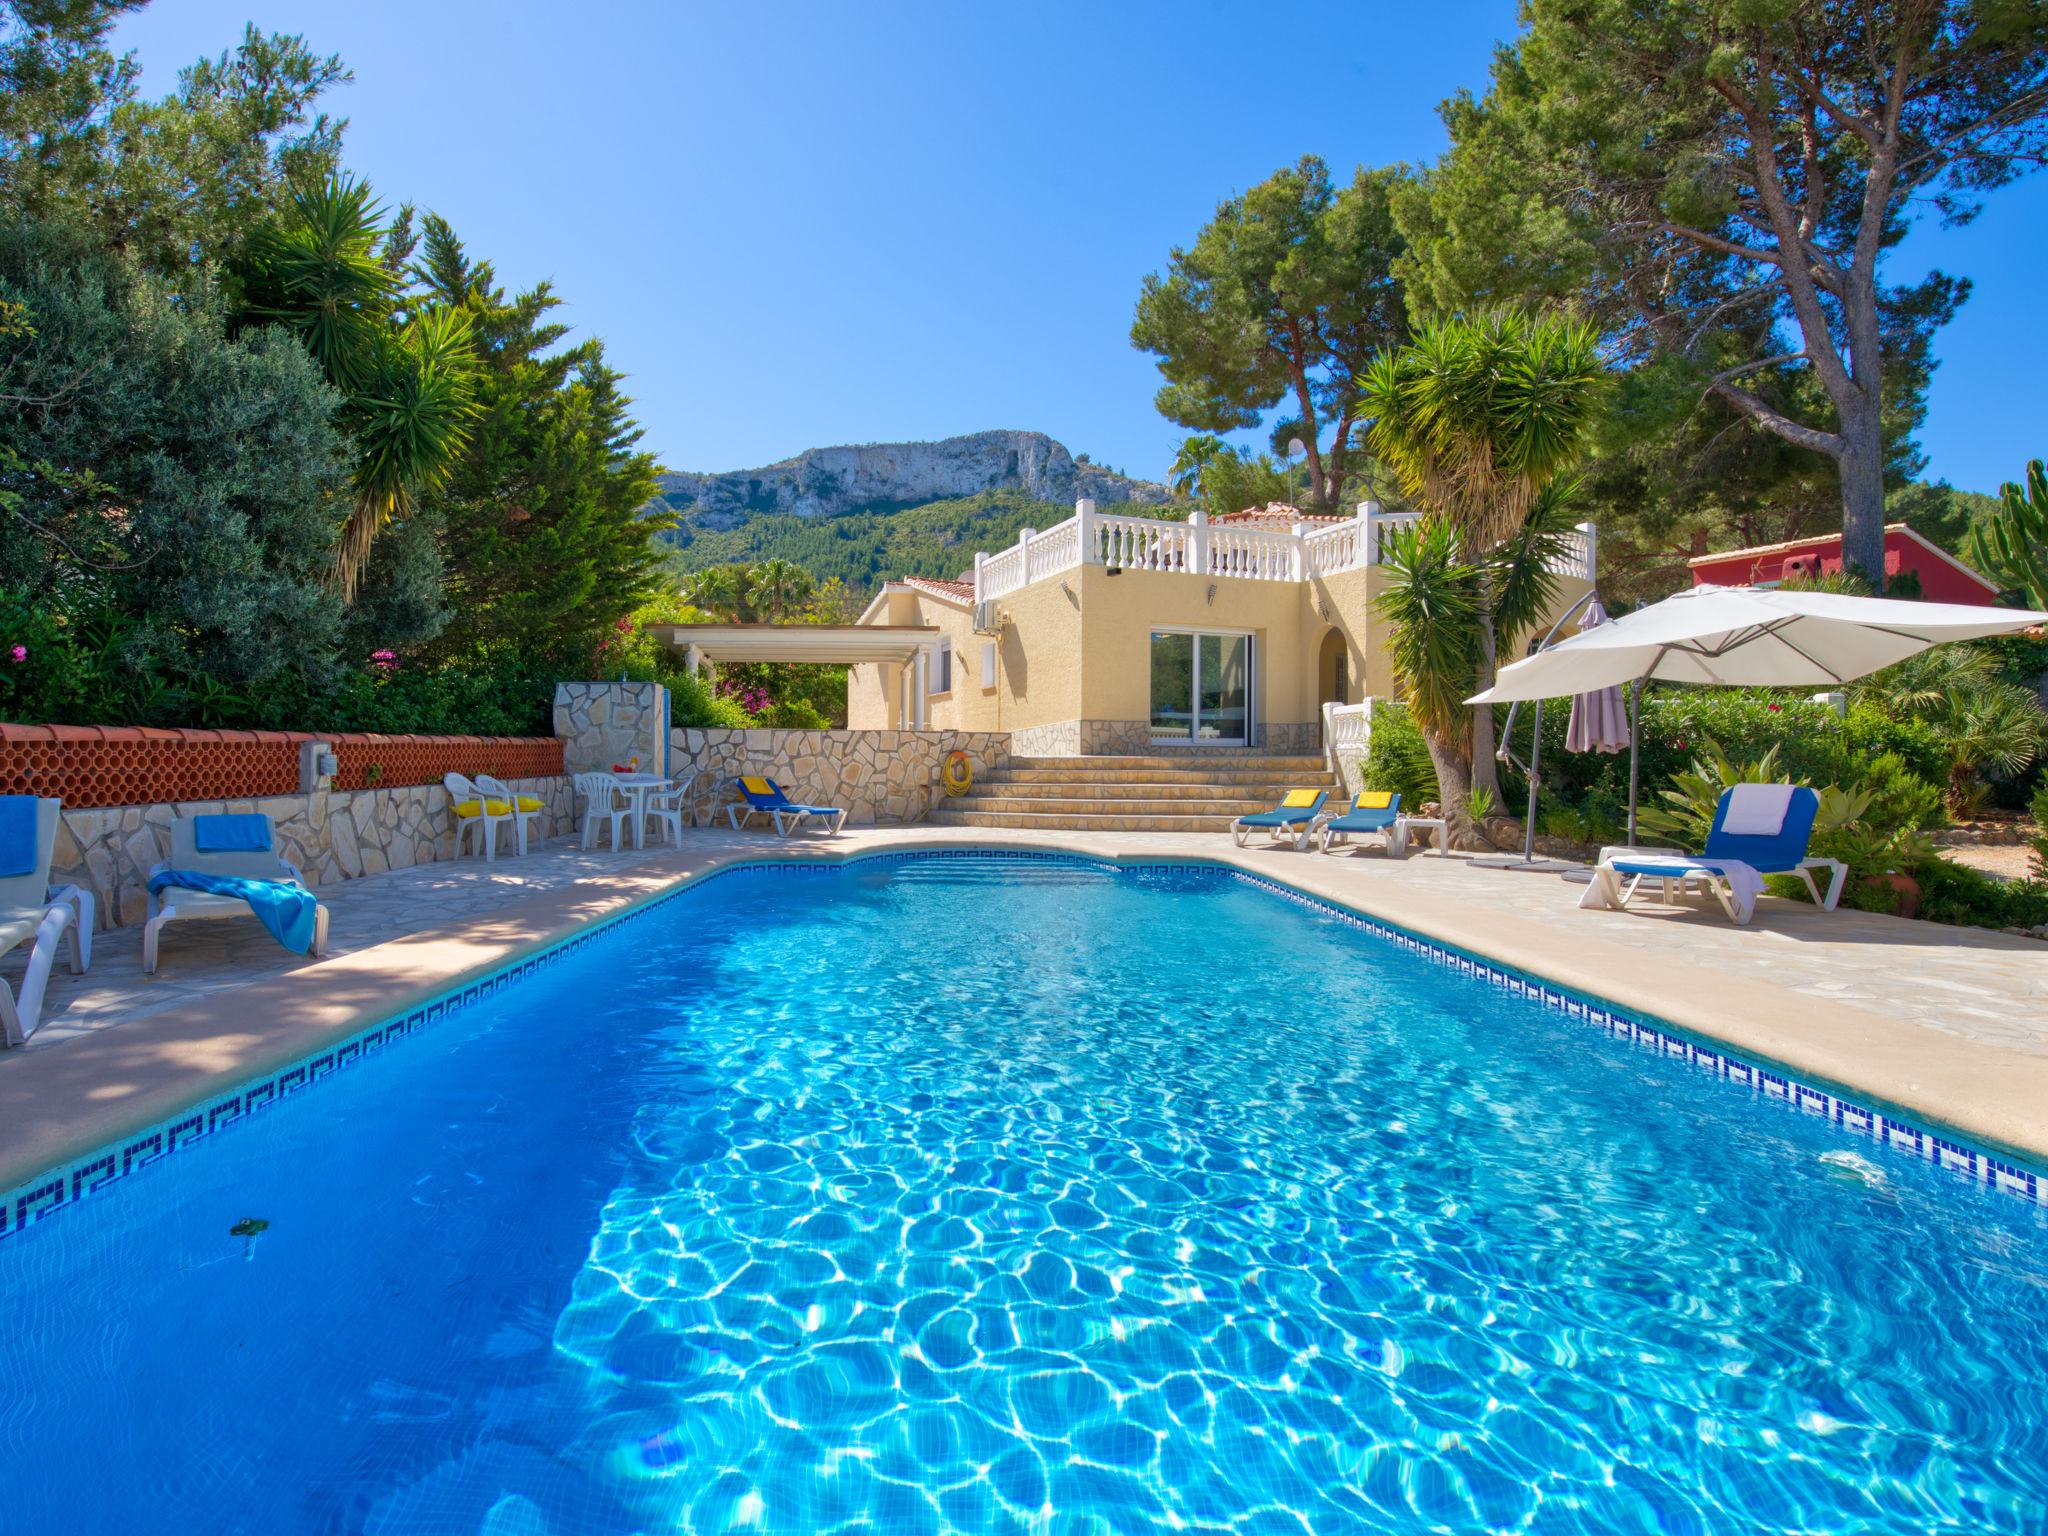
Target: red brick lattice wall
<point x="97" y="765"/>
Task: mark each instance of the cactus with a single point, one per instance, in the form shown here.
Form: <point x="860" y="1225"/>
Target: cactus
<point x="2012" y="548"/>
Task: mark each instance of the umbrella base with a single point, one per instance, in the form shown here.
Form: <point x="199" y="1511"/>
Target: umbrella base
<point x="1537" y="866"/>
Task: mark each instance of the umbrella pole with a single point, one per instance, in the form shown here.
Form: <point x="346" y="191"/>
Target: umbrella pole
<point x="1535" y="755"/>
<point x="1635" y="756"/>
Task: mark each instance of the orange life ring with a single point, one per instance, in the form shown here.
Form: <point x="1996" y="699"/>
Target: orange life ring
<point x="957" y="776"/>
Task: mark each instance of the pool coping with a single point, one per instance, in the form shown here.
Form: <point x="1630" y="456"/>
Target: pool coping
<point x="69" y="1111"/>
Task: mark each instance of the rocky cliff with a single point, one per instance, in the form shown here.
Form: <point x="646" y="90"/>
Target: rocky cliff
<point x="824" y="481"/>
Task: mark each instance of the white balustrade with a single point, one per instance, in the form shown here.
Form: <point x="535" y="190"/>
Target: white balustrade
<point x="1202" y="547"/>
<point x="1142" y="544"/>
<point x="1347" y="732"/>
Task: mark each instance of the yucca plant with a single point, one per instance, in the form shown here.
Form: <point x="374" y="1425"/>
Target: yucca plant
<point x="1476" y="417"/>
<point x="1431" y="599"/>
<point x="407" y="377"/>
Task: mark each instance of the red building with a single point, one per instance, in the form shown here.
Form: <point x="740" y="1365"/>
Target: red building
<point x="1943" y="578"/>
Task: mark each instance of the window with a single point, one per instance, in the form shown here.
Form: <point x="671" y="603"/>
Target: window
<point x="941" y="680"/>
<point x="988" y="663"/>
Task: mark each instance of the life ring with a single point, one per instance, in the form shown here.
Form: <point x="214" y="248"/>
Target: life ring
<point x="958" y="775"/>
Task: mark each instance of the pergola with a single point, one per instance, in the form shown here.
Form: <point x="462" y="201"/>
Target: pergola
<point x="909" y="647"/>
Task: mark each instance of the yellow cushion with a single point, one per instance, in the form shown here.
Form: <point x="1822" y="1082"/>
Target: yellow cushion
<point x="1375" y="800"/>
<point x="468" y="808"/>
<point x="1297" y="799"/>
<point x="529" y="803"/>
<point x="757" y="786"/>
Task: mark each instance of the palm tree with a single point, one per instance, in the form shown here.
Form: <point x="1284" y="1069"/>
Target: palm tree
<point x="407" y="376"/>
<point x="1985" y="722"/>
<point x="715" y="590"/>
<point x="1184" y="477"/>
<point x="1476" y="416"/>
<point x="777" y="587"/>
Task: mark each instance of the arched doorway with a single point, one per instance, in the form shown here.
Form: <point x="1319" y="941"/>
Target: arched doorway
<point x="1333" y="672"/>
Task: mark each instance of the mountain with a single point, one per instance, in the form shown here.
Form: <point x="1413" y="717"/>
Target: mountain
<point x="826" y="482"/>
<point x="862" y="547"/>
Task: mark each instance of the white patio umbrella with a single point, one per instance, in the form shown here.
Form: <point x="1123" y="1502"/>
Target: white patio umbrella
<point x="1746" y="637"/>
<point x="1598" y="723"/>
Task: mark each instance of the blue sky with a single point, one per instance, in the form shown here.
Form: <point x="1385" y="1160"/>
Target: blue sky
<point x="806" y="223"/>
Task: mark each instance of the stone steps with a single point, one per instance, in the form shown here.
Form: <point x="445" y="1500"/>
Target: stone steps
<point x="1193" y="791"/>
<point x="1199" y="760"/>
<point x="1229" y="807"/>
<point x="1088" y="789"/>
<point x="1305" y="773"/>
<point x="950" y="816"/>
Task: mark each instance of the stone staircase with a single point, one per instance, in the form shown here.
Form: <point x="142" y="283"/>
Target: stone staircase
<point x="1198" y="790"/>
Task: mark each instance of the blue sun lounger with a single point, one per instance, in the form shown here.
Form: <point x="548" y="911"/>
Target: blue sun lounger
<point x="765" y="798"/>
<point x="1731" y="865"/>
<point x="1295" y="817"/>
<point x="1374" y="811"/>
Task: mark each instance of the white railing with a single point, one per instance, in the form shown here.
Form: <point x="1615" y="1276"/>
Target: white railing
<point x="1347" y="732"/>
<point x="1142" y="544"/>
<point x="1262" y="554"/>
<point x="1055" y="550"/>
<point x="1201" y="548"/>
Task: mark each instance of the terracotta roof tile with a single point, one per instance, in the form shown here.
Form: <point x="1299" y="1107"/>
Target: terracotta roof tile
<point x="960" y="591"/>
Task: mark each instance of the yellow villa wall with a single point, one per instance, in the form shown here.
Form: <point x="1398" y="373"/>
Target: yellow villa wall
<point x="1076" y="647"/>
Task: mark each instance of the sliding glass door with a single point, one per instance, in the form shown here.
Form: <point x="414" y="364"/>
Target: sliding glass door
<point x="1201" y="688"/>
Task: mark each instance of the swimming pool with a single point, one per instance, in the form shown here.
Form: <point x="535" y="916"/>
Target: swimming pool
<point x="994" y="1195"/>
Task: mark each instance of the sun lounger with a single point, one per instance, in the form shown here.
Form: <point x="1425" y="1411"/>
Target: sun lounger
<point x="231" y="868"/>
<point x="28" y="843"/>
<point x="1758" y="830"/>
<point x="764" y="797"/>
<point x="1377" y="810"/>
<point x="1293" y="818"/>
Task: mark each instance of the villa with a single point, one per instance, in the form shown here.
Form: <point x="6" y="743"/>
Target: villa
<point x="1111" y="634"/>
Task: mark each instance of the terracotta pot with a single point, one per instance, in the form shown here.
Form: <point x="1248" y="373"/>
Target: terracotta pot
<point x="1907" y="887"/>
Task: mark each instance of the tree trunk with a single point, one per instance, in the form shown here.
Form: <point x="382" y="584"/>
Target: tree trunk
<point x="1485" y="771"/>
<point x="1861" y="466"/>
<point x="1453" y="787"/>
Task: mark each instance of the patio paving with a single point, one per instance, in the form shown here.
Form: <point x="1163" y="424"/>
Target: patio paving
<point x="201" y="958"/>
<point x="1949" y="1023"/>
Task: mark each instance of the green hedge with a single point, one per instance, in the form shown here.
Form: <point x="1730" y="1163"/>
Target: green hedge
<point x="1815" y="745"/>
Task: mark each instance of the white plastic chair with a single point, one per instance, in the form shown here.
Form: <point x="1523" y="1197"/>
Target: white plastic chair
<point x="664" y="806"/>
<point x="605" y="799"/>
<point x="174" y="902"/>
<point x="476" y="810"/>
<point x="519" y="808"/>
<point x="28" y="914"/>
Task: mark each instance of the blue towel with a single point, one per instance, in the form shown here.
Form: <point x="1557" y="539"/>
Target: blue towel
<point x="231" y="834"/>
<point x="18" y="850"/>
<point x="287" y="910"/>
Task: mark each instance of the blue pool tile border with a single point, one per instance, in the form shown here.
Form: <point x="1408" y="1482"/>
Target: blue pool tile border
<point x="64" y="1186"/>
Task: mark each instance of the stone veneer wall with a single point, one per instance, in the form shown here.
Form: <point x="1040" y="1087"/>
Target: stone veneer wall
<point x="605" y="723"/>
<point x="880" y="777"/>
<point x="331" y="835"/>
<point x="1107" y="738"/>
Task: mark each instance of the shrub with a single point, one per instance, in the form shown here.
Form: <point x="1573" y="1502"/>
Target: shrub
<point x="1397" y="758"/>
<point x="1955" y="893"/>
<point x="2039" y="810"/>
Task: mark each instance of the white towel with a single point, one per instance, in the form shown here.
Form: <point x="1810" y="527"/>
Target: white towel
<point x="1757" y="810"/>
<point x="1744" y="883"/>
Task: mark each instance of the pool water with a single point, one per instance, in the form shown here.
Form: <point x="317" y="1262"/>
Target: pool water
<point x="990" y="1195"/>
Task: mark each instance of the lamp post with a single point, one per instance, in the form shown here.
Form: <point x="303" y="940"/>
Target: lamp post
<point x="1294" y="446"/>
